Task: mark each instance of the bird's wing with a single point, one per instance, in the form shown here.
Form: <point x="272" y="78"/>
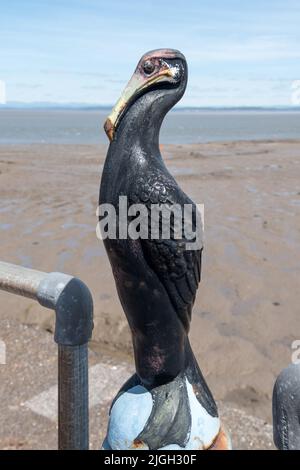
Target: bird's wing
<point x="177" y="267"/>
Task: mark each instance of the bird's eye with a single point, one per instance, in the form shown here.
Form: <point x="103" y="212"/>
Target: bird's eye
<point x="148" y="67"/>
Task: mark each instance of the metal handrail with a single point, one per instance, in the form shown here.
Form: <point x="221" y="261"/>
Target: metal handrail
<point x="73" y="305"/>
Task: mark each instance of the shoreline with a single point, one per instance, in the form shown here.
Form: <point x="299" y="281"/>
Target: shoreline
<point x="71" y="126"/>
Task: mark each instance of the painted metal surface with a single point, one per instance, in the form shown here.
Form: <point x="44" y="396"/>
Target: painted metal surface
<point x="132" y="410"/>
<point x="286" y="409"/>
<point x="73" y="306"/>
<point x="156" y="280"/>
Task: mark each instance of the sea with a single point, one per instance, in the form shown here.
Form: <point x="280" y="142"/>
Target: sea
<point x="181" y="126"/>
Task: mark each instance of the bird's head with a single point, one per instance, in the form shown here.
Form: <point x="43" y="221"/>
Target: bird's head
<point x="164" y="69"/>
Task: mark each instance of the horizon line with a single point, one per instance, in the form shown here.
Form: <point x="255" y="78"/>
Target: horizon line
<point x="86" y="106"/>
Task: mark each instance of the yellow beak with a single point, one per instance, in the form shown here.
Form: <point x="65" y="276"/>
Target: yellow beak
<point x="137" y="83"/>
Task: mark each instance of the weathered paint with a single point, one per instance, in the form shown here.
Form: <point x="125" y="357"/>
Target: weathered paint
<point x="204" y="427"/>
<point x="165" y="363"/>
<point x="128" y="417"/>
<point x="132" y="409"/>
<point x="139" y="82"/>
<point x="222" y="441"/>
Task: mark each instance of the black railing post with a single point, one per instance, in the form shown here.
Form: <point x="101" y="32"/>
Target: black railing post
<point x="286" y="409"/>
<point x="72" y="302"/>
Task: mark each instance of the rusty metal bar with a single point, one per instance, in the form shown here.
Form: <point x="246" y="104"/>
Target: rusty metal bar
<point x="73" y="305"/>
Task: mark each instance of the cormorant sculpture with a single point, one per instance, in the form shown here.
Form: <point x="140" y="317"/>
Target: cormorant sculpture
<point x="167" y="403"/>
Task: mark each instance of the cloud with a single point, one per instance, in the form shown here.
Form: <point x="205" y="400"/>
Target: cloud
<point x="235" y="50"/>
<point x="73" y="73"/>
<point x="252" y="49"/>
<point x="91" y="87"/>
<point x="28" y="86"/>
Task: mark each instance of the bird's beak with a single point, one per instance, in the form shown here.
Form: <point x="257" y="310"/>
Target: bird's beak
<point x="137" y="83"/>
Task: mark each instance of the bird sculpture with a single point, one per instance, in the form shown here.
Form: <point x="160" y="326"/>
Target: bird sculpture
<point x="166" y="404"/>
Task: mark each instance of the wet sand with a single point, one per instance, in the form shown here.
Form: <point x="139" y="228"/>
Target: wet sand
<point x="247" y="310"/>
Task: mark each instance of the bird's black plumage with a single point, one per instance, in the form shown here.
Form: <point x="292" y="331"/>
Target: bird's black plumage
<point x="177" y="268"/>
<point x="156" y="279"/>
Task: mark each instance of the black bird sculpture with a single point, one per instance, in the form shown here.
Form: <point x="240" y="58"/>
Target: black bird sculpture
<point x="167" y="403"/>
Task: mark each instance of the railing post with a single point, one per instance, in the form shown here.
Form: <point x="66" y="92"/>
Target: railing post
<point x="286" y="409"/>
<point x="73" y="417"/>
<point x="72" y="302"/>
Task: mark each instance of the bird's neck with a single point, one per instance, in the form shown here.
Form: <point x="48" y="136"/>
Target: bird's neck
<point x="140" y="126"/>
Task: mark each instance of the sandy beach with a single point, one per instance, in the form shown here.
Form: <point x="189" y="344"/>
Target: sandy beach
<point x="246" y="314"/>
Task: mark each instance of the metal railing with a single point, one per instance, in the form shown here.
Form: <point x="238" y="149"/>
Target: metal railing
<point x="73" y="305"/>
<point x="286" y="409"/>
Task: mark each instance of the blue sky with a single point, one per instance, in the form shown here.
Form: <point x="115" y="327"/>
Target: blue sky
<point x="239" y="52"/>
